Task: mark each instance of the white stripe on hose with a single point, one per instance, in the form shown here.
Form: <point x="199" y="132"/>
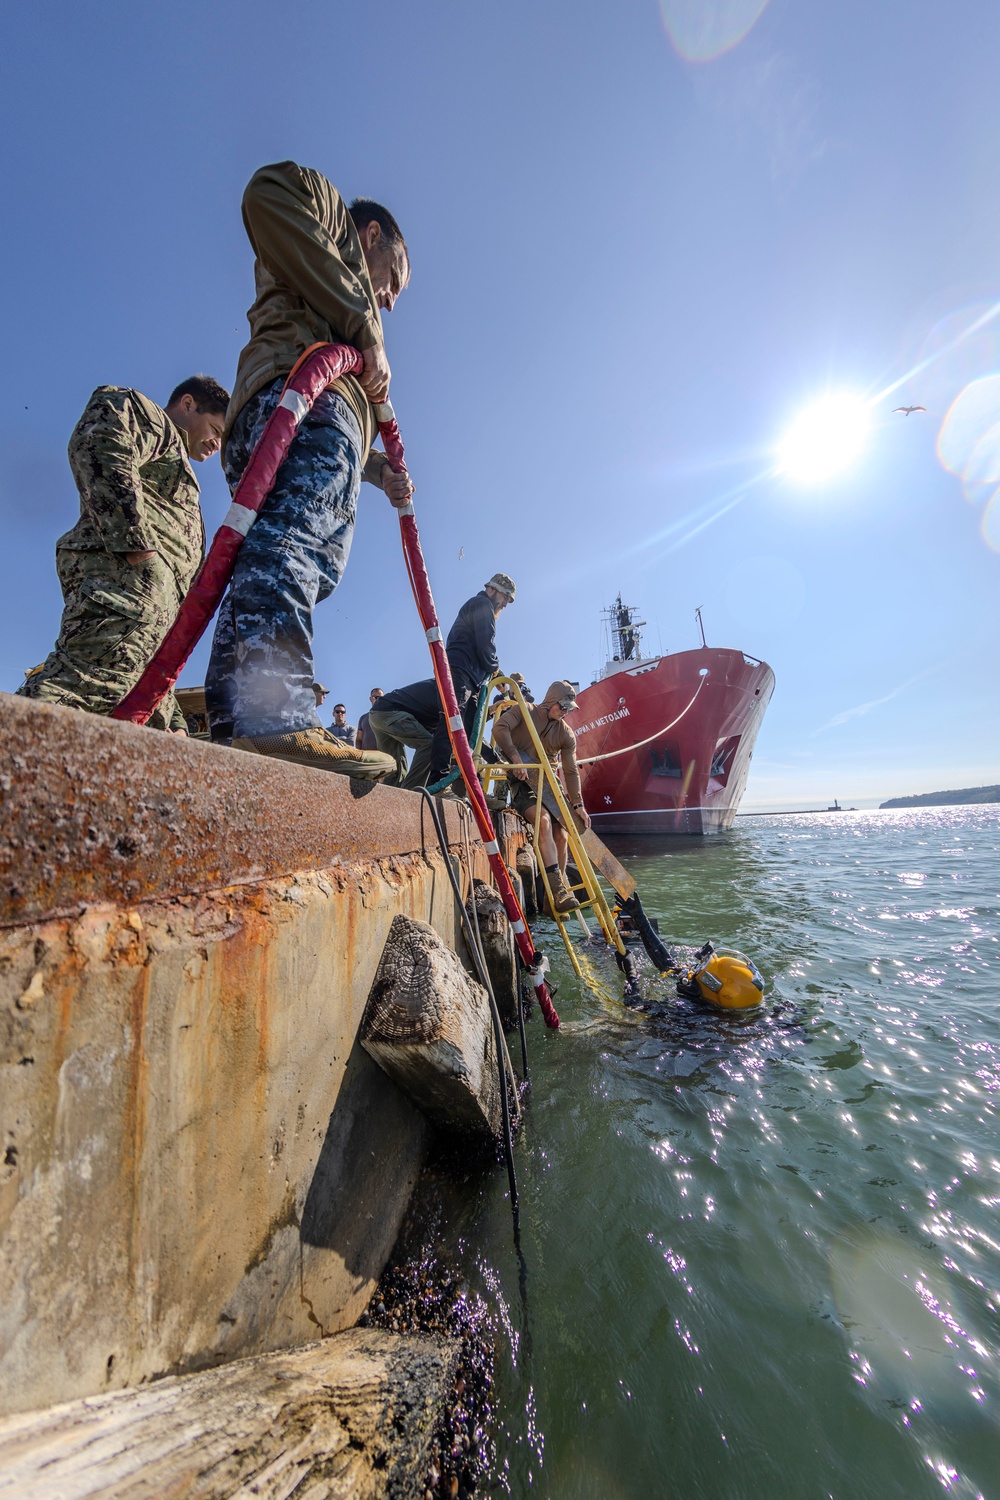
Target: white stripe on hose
<point x="455" y="722"/>
<point x="405" y="510"/>
<point x="434" y="634"/>
<point x="492" y="848"/>
<point x="537" y="979"/>
<point x="296" y="404"/>
<point x="384" y="412"/>
<point x="240" y="518"/>
<point x="517" y="927"/>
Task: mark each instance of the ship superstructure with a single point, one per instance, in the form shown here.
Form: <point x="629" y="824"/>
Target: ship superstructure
<point x="667" y="740"/>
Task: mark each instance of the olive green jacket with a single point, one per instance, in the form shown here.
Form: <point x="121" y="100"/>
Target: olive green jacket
<point x="137" y="488"/>
<point x="312" y="287"/>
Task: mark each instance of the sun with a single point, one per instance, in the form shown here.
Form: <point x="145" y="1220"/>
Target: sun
<point x="824" y="439"/>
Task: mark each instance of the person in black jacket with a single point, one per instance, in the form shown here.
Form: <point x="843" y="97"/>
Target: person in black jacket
<point x="472" y="655"/>
<point x="407" y="716"/>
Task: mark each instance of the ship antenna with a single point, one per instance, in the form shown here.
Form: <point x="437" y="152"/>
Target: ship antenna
<point x="701" y="627"/>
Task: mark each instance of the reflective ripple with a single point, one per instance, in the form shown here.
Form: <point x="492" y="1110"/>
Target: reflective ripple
<point x="762" y="1254"/>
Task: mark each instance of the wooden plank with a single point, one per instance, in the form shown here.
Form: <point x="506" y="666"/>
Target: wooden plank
<point x="349" y="1418"/>
<point x="602" y="859"/>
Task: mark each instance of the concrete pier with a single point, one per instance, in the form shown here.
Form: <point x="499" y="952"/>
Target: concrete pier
<point x="197" y="1162"/>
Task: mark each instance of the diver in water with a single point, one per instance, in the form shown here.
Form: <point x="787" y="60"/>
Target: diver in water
<point x="722" y="977"/>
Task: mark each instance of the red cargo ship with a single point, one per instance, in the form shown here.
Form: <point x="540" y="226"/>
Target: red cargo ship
<point x="684" y="724"/>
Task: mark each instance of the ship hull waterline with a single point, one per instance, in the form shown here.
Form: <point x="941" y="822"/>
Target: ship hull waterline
<point x="689" y="769"/>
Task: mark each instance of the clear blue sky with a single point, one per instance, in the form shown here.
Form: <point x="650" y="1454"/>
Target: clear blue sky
<point x="630" y="271"/>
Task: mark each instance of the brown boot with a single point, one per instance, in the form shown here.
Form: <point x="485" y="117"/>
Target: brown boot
<point x="563" y="900"/>
<point x="322" y="750"/>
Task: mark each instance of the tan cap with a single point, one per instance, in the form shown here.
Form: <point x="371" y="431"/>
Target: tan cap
<point x="562" y="693"/>
<point x="504" y="583"/>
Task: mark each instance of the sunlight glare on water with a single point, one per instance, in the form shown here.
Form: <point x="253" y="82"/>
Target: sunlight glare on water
<point x="762" y="1252"/>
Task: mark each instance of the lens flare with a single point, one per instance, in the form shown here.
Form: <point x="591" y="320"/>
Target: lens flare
<point x="702" y="30"/>
<point x="991" y="523"/>
<point x="963" y="346"/>
<point x="825" y="439"/>
<point x="969" y="440"/>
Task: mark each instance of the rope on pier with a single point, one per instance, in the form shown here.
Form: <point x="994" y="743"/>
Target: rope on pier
<point x="589" y="760"/>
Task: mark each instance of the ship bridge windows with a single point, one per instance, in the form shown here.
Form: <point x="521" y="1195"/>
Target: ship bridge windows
<point x="724" y="759"/>
<point x="666" y="758"/>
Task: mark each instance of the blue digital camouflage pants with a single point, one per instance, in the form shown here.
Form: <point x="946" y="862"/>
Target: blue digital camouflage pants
<point x="260" y="674"/>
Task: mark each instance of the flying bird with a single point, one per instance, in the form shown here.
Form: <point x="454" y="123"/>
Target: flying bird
<point x="461" y="553"/>
<point x="906" y="410"/>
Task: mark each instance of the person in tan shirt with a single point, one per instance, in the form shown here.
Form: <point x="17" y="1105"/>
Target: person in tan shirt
<point x="513" y="741"/>
<point x="324" y="273"/>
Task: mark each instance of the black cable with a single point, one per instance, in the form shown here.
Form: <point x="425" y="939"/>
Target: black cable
<point x="508" y="1141"/>
<point x="520" y="1016"/>
<point x="466" y="820"/>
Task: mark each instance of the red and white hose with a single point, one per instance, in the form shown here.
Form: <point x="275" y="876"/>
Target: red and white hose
<point x="316" y="370"/>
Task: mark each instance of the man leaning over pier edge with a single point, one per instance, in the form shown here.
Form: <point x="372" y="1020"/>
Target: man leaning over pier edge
<point x="322" y="274"/>
<point x="472" y="656"/>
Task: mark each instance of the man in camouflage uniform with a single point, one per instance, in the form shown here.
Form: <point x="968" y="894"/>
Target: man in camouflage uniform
<point x="323" y="272"/>
<point x="130" y="559"/>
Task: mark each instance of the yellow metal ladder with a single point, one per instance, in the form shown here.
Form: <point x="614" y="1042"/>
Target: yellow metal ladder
<point x="588" y="891"/>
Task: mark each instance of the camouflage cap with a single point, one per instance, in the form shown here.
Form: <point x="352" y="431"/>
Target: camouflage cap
<point x="504" y="583"/>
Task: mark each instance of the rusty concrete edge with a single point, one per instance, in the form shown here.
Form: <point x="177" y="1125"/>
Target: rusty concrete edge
<point x="94" y="812"/>
<point x="271" y="884"/>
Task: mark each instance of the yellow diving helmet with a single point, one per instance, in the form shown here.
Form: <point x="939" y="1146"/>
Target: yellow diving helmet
<point x="724" y="978"/>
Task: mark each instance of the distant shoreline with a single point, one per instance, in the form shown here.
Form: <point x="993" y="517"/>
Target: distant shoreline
<point x="966" y="797"/>
<point x="971" y="794"/>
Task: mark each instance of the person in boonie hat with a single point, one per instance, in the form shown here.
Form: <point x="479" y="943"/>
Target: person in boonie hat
<point x="502" y="583"/>
<point x="512" y="739"/>
<point x="472" y="656"/>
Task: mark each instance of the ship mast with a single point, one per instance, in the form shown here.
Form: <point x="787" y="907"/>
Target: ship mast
<point x="623" y="637"/>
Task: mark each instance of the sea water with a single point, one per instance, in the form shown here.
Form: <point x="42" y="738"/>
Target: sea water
<point x="761" y="1253"/>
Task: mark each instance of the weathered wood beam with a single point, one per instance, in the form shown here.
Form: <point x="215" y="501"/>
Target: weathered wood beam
<point x="498" y="948"/>
<point x="349" y="1418"/>
<point x="527" y="869"/>
<point x="428" y="1025"/>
